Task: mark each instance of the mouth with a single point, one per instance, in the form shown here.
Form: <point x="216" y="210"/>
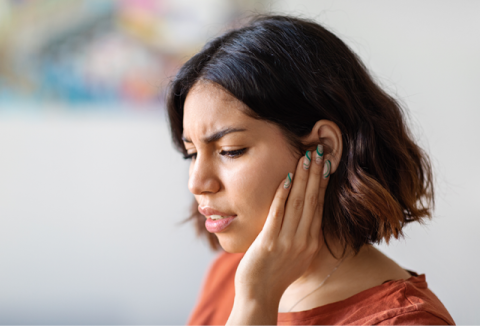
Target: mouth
<point x="212" y="213"/>
<point x="216" y="221"/>
<point x="216" y="225"/>
<point x="218" y="217"/>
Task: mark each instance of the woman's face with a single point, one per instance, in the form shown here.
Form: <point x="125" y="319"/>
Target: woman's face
<point x="239" y="163"/>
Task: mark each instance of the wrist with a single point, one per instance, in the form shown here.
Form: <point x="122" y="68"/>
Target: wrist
<point x="254" y="310"/>
<point x="261" y="295"/>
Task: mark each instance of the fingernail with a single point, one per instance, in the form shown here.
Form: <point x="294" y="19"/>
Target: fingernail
<point x="288" y="181"/>
<point x="326" y="169"/>
<point x="307" y="160"/>
<point x="319" y="156"/>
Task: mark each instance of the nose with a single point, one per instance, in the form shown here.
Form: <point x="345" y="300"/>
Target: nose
<point x="203" y="177"/>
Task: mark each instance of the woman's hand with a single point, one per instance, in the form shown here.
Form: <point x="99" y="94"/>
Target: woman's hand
<point x="285" y="248"/>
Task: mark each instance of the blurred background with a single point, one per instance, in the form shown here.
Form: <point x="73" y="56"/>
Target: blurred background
<point x="92" y="194"/>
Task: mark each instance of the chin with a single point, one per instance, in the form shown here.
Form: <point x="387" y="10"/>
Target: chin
<point x="232" y="245"/>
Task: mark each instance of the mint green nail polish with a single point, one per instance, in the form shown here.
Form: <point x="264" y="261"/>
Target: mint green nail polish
<point x="326" y="169"/>
<point x="307" y="160"/>
<point x="288" y="181"/>
<point x="319" y="156"/>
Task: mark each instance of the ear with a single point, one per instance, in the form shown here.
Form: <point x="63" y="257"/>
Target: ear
<point x="328" y="134"/>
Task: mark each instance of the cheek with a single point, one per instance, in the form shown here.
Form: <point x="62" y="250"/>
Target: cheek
<point x="251" y="186"/>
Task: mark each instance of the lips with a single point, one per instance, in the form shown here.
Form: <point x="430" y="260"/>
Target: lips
<point x="216" y="221"/>
<point x="208" y="211"/>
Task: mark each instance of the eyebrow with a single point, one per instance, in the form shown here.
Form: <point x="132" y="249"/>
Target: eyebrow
<point x="216" y="135"/>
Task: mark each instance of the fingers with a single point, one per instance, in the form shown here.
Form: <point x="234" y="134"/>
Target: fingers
<point x="325" y="177"/>
<point x="306" y="199"/>
<point x="294" y="207"/>
<point x="301" y="216"/>
<point x="277" y="208"/>
<point x="313" y="196"/>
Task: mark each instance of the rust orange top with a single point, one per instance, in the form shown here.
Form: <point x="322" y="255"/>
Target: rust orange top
<point x="406" y="302"/>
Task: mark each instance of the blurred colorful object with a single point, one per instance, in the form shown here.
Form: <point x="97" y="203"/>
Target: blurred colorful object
<point x="101" y="51"/>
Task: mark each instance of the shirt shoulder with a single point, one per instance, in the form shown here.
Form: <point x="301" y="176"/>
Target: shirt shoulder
<point x="218" y="292"/>
<point x="408" y="302"/>
<point x="415" y="318"/>
<point x="404" y="302"/>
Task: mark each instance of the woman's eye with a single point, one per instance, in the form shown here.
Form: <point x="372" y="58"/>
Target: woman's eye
<point x="190" y="156"/>
<point x="229" y="154"/>
<point x="233" y="154"/>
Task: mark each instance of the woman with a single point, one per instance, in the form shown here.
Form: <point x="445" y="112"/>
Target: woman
<point x="300" y="162"/>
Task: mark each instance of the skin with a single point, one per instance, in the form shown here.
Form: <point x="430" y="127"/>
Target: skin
<point x="244" y="185"/>
<point x="278" y="229"/>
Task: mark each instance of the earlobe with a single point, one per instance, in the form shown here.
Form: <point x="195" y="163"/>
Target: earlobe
<point x="328" y="134"/>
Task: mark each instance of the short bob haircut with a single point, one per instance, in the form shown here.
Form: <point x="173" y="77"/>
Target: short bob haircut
<point x="293" y="72"/>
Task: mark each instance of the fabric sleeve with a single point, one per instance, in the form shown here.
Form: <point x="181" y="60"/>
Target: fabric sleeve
<point x="415" y="318"/>
<point x="216" y="298"/>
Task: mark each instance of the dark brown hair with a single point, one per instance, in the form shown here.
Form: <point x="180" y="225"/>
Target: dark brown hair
<point x="293" y="72"/>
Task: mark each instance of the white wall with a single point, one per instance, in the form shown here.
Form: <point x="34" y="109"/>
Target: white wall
<point x="89" y="214"/>
<point x="89" y="204"/>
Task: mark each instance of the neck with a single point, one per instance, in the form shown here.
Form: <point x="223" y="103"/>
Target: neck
<point x="325" y="262"/>
<point x="356" y="273"/>
<point x="327" y="266"/>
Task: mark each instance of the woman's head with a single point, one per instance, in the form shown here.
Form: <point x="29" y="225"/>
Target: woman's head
<point x="296" y="84"/>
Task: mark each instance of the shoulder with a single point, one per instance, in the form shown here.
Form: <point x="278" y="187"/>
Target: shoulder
<point x="222" y="269"/>
<point x="221" y="275"/>
<point x="407" y="302"/>
<point x="415" y="318"/>
<point x="400" y="302"/>
<point x="225" y="260"/>
<point x="216" y="297"/>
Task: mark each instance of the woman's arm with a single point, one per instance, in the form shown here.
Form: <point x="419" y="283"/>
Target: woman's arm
<point x="286" y="245"/>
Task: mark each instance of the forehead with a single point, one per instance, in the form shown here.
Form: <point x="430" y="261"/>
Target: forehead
<point x="208" y="108"/>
